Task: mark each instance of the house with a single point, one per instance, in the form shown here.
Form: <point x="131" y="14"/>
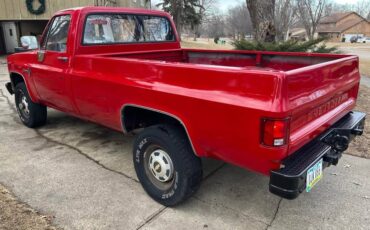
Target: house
<point x="340" y="27"/>
<point x="26" y="17"/>
<point x="297" y="33"/>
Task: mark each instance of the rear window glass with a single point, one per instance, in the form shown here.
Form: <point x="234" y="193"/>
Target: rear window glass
<point x="121" y="28"/>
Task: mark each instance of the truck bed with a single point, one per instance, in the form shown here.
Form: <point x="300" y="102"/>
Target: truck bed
<point x="313" y="90"/>
<point x="271" y="61"/>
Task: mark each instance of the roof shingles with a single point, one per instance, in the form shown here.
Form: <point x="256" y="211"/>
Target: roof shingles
<point x="329" y="27"/>
<point x="333" y="18"/>
<point x="329" y="24"/>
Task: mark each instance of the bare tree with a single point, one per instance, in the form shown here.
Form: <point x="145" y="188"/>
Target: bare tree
<point x="239" y="22"/>
<point x="206" y="7"/>
<point x="361" y="7"/>
<point x="184" y="12"/>
<point x="262" y="13"/>
<point x="329" y="9"/>
<point x="310" y="12"/>
<point x="204" y="12"/>
<point x="285" y="17"/>
<point x="214" y="26"/>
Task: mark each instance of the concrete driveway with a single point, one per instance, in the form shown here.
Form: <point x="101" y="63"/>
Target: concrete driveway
<point x="82" y="174"/>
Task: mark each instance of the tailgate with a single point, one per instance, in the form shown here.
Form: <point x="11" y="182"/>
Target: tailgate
<point x="318" y="96"/>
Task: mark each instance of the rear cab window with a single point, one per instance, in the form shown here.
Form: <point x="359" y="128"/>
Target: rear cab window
<point x="126" y="28"/>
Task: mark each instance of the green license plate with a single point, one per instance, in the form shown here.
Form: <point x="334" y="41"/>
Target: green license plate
<point x="314" y="174"/>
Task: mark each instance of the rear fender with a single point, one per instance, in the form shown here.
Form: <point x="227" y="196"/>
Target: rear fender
<point x="125" y="129"/>
<point x="13" y="78"/>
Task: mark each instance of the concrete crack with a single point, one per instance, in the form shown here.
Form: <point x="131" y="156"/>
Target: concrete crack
<point x="39" y="134"/>
<point x="28" y="208"/>
<point x="48" y="139"/>
<point x="157" y="214"/>
<point x="152" y="217"/>
<point x="214" y="171"/>
<point x="275" y="214"/>
<point x="13" y="116"/>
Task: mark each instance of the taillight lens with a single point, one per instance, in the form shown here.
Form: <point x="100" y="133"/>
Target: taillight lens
<point x="274" y="132"/>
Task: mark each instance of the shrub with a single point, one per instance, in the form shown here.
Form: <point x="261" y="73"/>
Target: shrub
<point x="314" y="46"/>
<point x="216" y="40"/>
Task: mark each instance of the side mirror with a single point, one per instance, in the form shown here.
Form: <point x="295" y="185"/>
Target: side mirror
<point x="29" y="42"/>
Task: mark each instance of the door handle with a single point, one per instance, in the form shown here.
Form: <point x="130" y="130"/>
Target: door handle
<point x="63" y="59"/>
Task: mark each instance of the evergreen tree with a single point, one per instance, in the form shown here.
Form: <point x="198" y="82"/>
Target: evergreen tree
<point x="314" y="46"/>
<point x="184" y="12"/>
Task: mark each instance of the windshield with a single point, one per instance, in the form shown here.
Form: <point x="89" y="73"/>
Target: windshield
<point x="121" y="28"/>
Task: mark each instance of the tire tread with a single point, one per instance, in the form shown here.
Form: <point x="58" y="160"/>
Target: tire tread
<point x="38" y="112"/>
<point x="190" y="163"/>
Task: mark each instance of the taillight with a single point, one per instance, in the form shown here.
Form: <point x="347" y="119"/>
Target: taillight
<point x="275" y="132"/>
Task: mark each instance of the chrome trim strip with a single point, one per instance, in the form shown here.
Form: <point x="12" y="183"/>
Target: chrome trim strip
<point x="158" y="111"/>
<point x="25" y="82"/>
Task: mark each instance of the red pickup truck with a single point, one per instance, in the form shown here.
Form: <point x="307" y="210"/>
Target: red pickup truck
<point x="285" y="115"/>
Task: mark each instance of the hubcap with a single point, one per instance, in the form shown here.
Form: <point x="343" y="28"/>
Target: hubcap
<point x="160" y="165"/>
<point x="23" y="105"/>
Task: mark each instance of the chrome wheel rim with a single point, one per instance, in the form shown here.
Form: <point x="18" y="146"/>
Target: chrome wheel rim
<point x="159" y="167"/>
<point x="23" y="105"/>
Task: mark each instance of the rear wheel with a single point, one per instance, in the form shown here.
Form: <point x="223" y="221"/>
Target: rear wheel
<point x="31" y="114"/>
<point x="166" y="165"/>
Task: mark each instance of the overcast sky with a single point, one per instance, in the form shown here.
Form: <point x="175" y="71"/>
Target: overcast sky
<point x="223" y="5"/>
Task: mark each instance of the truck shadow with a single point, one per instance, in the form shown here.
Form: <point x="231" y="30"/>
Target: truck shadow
<point x="114" y="151"/>
<point x="227" y="191"/>
<point x="111" y="148"/>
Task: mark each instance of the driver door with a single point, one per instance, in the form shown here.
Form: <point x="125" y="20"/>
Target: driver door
<point x="50" y="73"/>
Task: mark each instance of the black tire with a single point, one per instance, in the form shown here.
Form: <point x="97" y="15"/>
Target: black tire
<point x="36" y="115"/>
<point x="187" y="167"/>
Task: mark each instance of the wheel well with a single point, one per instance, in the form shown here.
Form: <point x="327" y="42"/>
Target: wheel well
<point x="135" y="118"/>
<point x="16" y="78"/>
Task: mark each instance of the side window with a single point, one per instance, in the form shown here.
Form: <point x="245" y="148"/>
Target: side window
<point x="58" y="34"/>
<point x="157" y="29"/>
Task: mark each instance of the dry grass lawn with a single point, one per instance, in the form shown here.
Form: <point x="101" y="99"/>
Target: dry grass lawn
<point x="365" y="67"/>
<point x="203" y="43"/>
<point x="359" y="49"/>
<point x="361" y="145"/>
<point x="15" y="215"/>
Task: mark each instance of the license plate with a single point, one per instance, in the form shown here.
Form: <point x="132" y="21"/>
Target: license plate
<point x="314" y="174"/>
